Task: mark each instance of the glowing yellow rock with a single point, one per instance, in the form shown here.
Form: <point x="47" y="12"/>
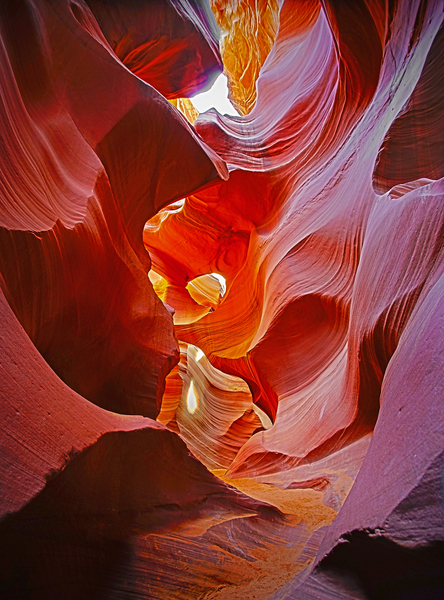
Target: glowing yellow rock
<point x="248" y="31"/>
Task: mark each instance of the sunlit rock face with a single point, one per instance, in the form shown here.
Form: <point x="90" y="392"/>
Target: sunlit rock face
<point x="248" y="31"/>
<point x="222" y="338"/>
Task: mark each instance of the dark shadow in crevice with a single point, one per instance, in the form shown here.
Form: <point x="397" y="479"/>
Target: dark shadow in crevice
<point x="80" y="538"/>
<point x="385" y="570"/>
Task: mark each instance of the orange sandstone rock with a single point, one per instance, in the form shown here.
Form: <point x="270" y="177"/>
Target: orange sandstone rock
<point x="297" y="257"/>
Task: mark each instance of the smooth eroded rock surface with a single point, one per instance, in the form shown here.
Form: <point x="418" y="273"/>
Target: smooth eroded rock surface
<point x="221" y="338"/>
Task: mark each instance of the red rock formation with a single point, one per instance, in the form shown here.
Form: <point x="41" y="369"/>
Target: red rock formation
<point x="172" y="46"/>
<point x="311" y="380"/>
<point x="91" y="327"/>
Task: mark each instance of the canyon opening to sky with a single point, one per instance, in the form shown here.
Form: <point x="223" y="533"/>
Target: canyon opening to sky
<point x="222" y="296"/>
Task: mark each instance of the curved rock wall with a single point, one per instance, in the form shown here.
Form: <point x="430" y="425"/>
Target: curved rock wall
<point x="268" y="287"/>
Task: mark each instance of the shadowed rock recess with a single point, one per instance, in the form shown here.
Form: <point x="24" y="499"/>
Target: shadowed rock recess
<point x="222" y="337"/>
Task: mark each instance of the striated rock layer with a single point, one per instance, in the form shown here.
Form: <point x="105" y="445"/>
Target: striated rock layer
<point x="222" y="338"/>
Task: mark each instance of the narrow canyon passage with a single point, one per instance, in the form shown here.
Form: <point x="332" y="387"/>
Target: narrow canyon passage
<point x="222" y="329"/>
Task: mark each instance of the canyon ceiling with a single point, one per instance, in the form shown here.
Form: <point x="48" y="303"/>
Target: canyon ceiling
<point x="222" y="337"/>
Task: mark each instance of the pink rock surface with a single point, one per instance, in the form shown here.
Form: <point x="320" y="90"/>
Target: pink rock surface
<point x="304" y="306"/>
<point x="295" y="296"/>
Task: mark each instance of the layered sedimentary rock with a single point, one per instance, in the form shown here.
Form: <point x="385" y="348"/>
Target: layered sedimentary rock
<point x="77" y="282"/>
<point x="248" y="31"/>
<point x="268" y="287"/>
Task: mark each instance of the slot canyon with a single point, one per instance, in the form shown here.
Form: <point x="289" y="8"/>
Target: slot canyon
<point x="222" y="336"/>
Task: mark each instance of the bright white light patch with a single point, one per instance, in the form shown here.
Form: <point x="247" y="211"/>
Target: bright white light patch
<point x="192" y="400"/>
<point x="216" y="97"/>
<point x="223" y="282"/>
<point x="199" y="355"/>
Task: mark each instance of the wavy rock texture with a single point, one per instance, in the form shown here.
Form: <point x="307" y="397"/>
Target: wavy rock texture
<point x="285" y="327"/>
<point x="248" y="31"/>
<point x="81" y="292"/>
